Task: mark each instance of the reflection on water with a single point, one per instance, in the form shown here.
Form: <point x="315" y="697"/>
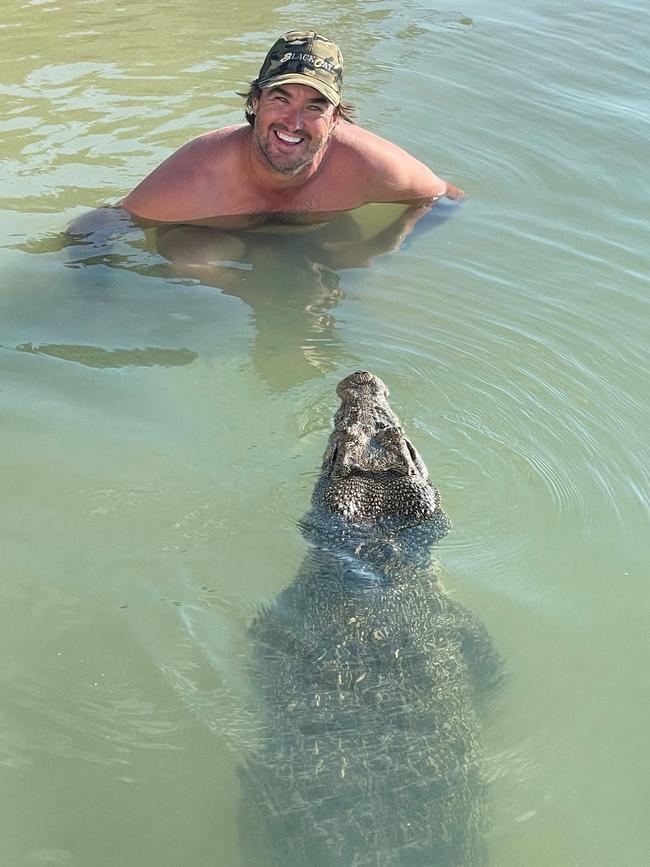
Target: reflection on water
<point x="290" y="292"/>
<point x="289" y="277"/>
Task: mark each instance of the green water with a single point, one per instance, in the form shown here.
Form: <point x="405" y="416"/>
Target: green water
<point x="161" y="429"/>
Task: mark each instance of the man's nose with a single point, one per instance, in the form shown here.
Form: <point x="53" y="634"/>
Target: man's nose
<point x="293" y="117"/>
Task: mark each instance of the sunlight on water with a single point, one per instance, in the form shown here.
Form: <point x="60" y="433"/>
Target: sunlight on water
<point x="165" y="401"/>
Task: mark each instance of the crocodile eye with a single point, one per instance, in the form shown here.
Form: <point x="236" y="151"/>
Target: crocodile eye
<point x="412" y="452"/>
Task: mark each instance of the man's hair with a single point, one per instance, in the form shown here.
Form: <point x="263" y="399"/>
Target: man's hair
<point x="345" y="110"/>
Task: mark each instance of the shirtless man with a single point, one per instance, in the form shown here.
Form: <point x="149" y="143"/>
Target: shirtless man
<point x="299" y="160"/>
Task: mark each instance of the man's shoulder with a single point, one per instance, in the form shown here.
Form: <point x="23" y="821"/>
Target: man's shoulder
<point x="234" y="132"/>
<point x="213" y="142"/>
<point x="187" y="181"/>
<point x="199" y="153"/>
<point x="366" y="145"/>
<point x="390" y="172"/>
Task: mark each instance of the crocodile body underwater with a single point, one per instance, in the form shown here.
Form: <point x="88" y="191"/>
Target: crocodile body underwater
<point x="370" y="677"/>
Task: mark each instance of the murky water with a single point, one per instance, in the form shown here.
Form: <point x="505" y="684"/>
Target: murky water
<point x="162" y="426"/>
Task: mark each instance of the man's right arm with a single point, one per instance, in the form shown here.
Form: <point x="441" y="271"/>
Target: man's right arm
<point x="188" y="185"/>
<point x="156" y="199"/>
<point x="100" y="225"/>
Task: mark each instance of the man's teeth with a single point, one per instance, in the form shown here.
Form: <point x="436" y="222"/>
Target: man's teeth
<point x="284" y="136"/>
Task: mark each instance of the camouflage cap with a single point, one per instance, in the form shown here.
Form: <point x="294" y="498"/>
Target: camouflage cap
<point x="305" y="57"/>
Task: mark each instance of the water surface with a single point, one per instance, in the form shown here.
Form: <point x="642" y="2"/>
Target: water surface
<point x="161" y="430"/>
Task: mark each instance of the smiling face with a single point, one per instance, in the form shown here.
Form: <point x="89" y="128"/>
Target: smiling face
<point x="293" y="123"/>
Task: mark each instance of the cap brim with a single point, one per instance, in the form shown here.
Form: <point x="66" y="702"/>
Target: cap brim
<point x="298" y="78"/>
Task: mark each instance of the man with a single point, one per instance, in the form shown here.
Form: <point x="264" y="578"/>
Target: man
<point x="299" y="160"/>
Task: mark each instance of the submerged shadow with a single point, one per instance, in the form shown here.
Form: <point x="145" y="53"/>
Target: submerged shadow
<point x="289" y="278"/>
<point x="97" y="356"/>
<point x="291" y="294"/>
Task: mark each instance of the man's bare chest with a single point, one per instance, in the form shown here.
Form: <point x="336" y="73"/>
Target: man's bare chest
<point x="241" y="202"/>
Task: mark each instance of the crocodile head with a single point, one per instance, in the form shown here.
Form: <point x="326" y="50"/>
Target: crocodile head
<point x="372" y="476"/>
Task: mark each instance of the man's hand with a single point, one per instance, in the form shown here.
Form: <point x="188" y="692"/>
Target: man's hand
<point x="454" y="193"/>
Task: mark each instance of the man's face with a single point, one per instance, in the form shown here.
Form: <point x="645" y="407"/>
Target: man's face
<point x="293" y="123"/>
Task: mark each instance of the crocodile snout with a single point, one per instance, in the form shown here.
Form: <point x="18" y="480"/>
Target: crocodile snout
<point x="360" y="386"/>
<point x="385" y="450"/>
<point x="371" y="472"/>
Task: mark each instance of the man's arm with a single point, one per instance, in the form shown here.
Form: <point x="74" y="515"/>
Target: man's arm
<point x="160" y="197"/>
<point x="198" y="180"/>
<point x="393" y="175"/>
<point x="100" y="225"/>
<point x="415" y="220"/>
<point x="409" y="182"/>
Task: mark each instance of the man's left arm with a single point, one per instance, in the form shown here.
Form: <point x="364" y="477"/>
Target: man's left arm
<point x="412" y="183"/>
<point x="413" y="221"/>
<point x="396" y="176"/>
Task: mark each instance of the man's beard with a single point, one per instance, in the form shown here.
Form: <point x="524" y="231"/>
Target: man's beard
<point x="305" y="158"/>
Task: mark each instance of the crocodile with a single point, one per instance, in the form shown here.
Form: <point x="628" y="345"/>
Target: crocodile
<point x="370" y="676"/>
